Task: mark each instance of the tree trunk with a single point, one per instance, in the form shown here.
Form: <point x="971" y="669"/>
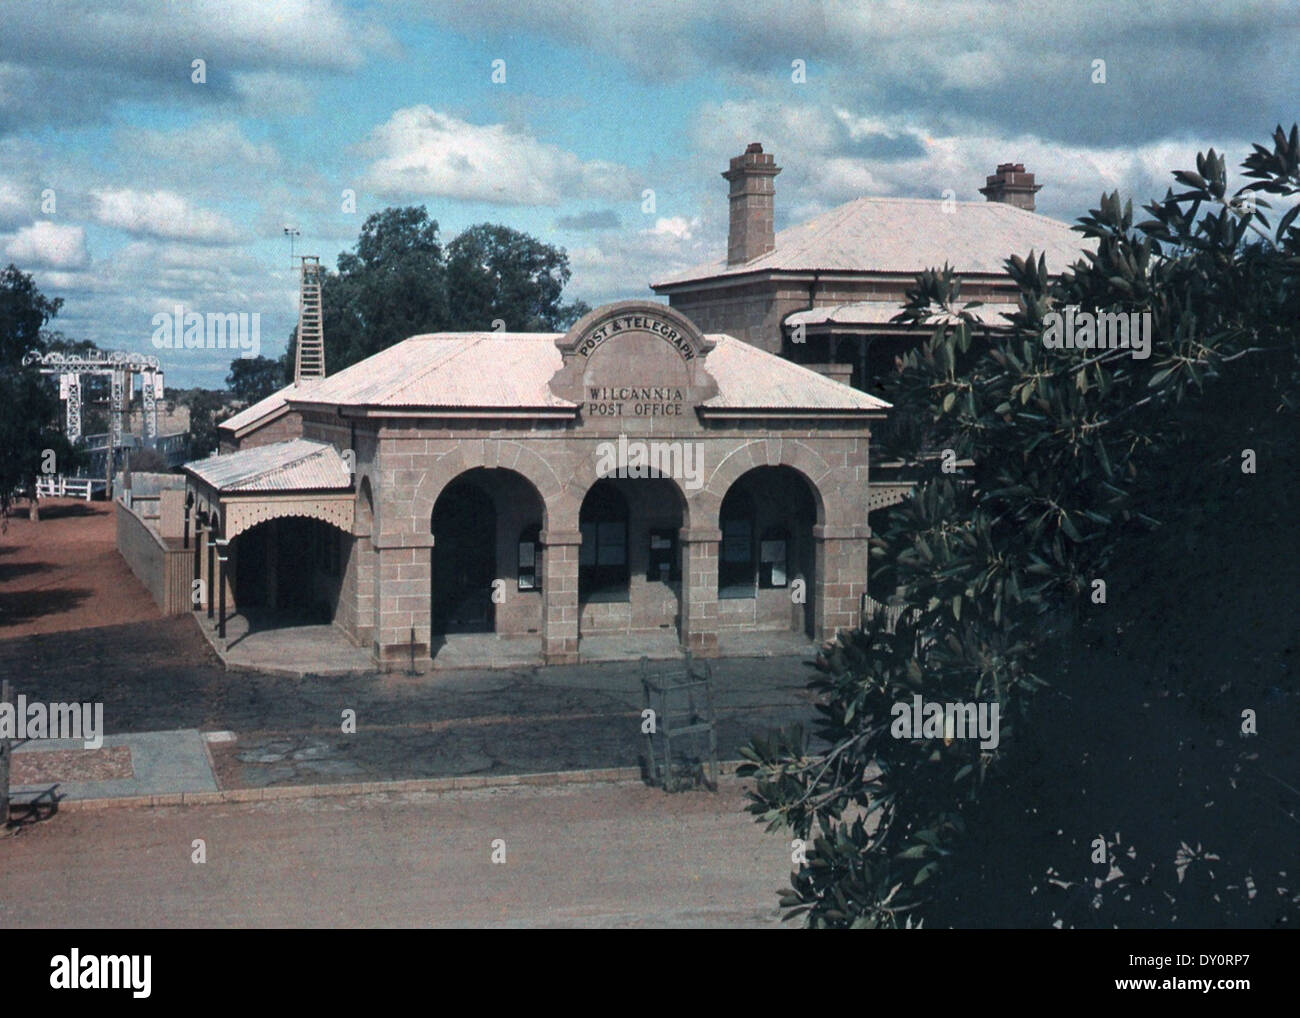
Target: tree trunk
<point x="33" y="507"/>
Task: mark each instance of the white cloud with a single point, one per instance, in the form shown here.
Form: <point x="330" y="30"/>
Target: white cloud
<point x="273" y="92"/>
<point x="420" y="151"/>
<point x="14" y="211"/>
<point x="48" y="245"/>
<point x="113" y="300"/>
<point x="218" y="143"/>
<point x="675" y="226"/>
<point x="1024" y="66"/>
<point x="69" y="61"/>
<point x="823" y="162"/>
<point x="621" y="264"/>
<point x="162" y="214"/>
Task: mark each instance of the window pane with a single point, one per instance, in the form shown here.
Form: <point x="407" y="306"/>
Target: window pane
<point x="611" y="544"/>
<point x="736" y="543"/>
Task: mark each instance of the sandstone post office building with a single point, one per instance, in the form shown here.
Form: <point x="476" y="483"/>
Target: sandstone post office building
<point x="635" y="475"/>
<point x="631" y="475"/>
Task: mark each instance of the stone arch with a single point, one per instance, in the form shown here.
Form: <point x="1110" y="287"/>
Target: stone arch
<point x="584" y="478"/>
<point x="832" y="506"/>
<point x="489" y="455"/>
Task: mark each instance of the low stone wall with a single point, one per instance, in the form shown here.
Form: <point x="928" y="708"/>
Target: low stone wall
<point x="163" y="566"/>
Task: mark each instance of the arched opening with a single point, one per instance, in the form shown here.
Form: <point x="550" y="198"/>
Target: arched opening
<point x="602" y="558"/>
<point x="629" y="562"/>
<point x="288" y="572"/>
<point x="486" y="566"/>
<point x="767" y="558"/>
<point x="464" y="559"/>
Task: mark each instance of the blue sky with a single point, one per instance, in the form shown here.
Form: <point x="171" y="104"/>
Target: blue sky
<point x="172" y="192"/>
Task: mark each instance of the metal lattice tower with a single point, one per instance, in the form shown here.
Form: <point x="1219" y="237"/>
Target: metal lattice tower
<point x="310" y="360"/>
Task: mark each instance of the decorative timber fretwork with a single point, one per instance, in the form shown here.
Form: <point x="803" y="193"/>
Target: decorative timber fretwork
<point x="334" y="509"/>
<point x="883" y="495"/>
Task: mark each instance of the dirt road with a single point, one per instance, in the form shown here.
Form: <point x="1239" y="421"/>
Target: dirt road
<point x="575" y="855"/>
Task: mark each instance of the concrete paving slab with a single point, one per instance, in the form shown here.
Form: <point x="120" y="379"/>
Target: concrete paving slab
<point x="486" y="650"/>
<point x="285" y="650"/>
<point x="162" y="763"/>
<point x="302" y="650"/>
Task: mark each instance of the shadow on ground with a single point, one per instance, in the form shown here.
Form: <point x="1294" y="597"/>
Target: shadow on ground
<point x="162" y="676"/>
<point x="25" y="605"/>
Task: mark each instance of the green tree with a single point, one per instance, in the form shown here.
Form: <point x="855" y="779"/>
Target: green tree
<point x="207" y="406"/>
<point x="254" y="378"/>
<point x="495" y="273"/>
<point x="399" y="281"/>
<point x="1074" y="453"/>
<point x="29" y="402"/>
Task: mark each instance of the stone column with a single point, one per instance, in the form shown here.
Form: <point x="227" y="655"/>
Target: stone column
<point x="841" y="555"/>
<point x="367" y="564"/>
<point x="560" y="596"/>
<point x="404" y="597"/>
<point x="699" y="629"/>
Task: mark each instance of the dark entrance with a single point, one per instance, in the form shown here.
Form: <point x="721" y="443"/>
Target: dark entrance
<point x="464" y="560"/>
<point x="286" y="571"/>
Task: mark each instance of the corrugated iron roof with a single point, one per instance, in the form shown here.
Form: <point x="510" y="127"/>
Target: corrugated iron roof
<point x="266" y="406"/>
<point x="451" y="369"/>
<point x="513" y="371"/>
<point x="906" y="235"/>
<point x="880" y="312"/>
<point x="296" y="465"/>
<point x="752" y="379"/>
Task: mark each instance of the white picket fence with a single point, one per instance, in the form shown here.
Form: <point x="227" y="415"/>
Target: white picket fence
<point x="58" y="486"/>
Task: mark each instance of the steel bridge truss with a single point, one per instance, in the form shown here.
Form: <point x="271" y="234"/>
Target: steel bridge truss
<point x="119" y="365"/>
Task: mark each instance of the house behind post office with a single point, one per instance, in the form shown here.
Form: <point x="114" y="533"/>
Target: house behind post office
<point x="822" y="293"/>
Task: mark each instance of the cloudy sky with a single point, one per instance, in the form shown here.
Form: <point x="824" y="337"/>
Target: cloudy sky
<point x="126" y="187"/>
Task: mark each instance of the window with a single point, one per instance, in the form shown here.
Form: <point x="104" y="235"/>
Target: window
<point x="773" y="559"/>
<point x="530" y="558"/>
<point x="736" y="565"/>
<point x="602" y="557"/>
<point x="664" y="562"/>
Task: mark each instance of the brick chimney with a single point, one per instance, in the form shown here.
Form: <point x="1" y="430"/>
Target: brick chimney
<point x="1012" y="186"/>
<point x="753" y="228"/>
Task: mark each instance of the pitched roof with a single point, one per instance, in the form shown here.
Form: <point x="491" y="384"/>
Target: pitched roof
<point x="752" y="379"/>
<point x="297" y="465"/>
<point x="451" y="369"/>
<point x="268" y="406"/>
<point x="906" y="235"/>
<point x="512" y="371"/>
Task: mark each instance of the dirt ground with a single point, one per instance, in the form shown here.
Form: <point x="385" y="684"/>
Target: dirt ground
<point x="593" y="855"/>
<point x="64" y="573"/>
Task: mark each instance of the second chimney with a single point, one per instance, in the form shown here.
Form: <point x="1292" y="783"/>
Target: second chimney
<point x="1011" y="185"/>
<point x="753" y="226"/>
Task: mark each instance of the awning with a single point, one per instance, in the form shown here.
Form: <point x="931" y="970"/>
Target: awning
<point x="295" y="478"/>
